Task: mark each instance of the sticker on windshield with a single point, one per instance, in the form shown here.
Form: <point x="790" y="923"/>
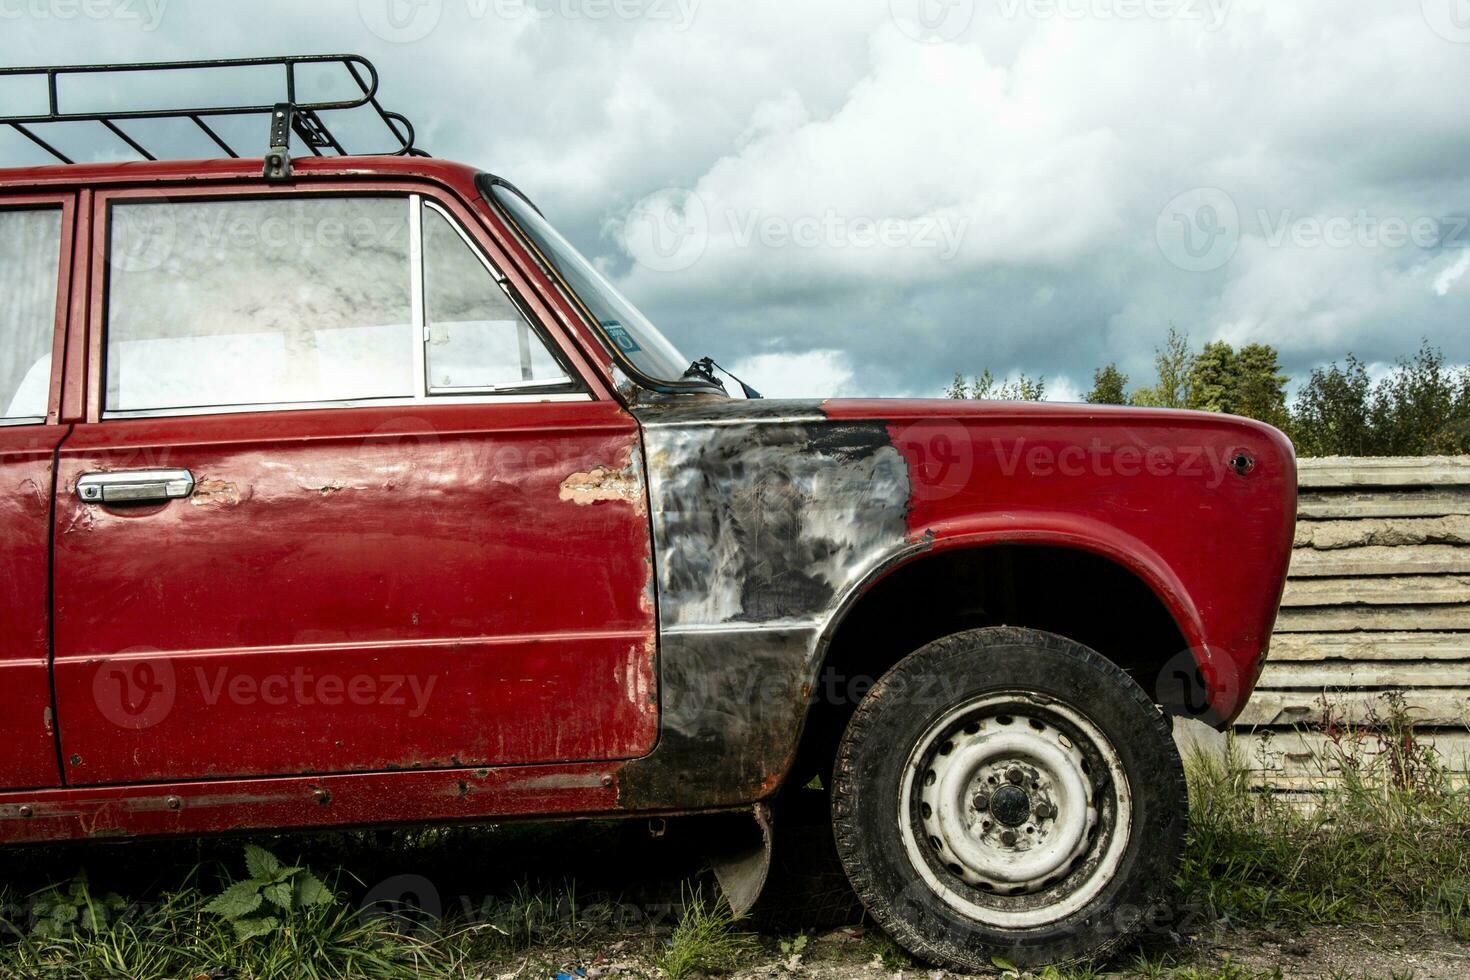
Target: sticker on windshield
<point x="620" y="336"/>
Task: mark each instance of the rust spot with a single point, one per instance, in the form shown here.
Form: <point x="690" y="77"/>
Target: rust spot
<point x="328" y="489"/>
<point x="46" y="720"/>
<point x="215" y="493"/>
<point x="602" y="484"/>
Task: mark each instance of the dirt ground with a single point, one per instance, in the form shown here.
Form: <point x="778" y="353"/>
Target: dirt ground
<point x="850" y="954"/>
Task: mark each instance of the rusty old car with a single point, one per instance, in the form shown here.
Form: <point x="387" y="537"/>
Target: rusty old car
<point x="343" y="492"/>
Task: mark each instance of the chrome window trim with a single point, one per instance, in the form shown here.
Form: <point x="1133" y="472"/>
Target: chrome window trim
<point x="23" y="420"/>
<point x="405" y="402"/>
<point x="516" y="393"/>
<point x="500" y="280"/>
<point x="417" y="309"/>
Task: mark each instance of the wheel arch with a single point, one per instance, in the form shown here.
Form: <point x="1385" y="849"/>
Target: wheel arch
<point x="991" y="577"/>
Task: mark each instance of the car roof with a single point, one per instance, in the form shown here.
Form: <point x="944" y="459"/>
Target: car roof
<point x="83" y="175"/>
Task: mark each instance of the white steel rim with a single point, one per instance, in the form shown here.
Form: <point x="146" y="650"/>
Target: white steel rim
<point x="1007" y="818"/>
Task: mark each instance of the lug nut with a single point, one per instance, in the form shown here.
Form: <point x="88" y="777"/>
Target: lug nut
<point x="1045" y="811"/>
<point x="1008" y="837"/>
<point x="1015" y="775"/>
<point x="981" y="801"/>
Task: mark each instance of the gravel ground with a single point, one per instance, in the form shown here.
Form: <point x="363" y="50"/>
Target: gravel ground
<point x="852" y="954"/>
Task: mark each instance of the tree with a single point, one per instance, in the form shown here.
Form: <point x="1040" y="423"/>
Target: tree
<point x="1173" y="361"/>
<point x="1260" y="387"/>
<point x="1422" y="407"/>
<point x="1214" y="378"/>
<point x="1330" y="417"/>
<point x="986" y="387"/>
<point x="1109" y="387"/>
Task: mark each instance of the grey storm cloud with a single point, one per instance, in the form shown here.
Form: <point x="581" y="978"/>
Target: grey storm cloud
<point x="866" y="197"/>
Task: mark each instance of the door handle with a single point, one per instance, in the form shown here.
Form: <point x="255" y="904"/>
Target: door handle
<point x="135" y="486"/>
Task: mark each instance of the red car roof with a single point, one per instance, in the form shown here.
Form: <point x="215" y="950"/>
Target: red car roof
<point x="244" y="168"/>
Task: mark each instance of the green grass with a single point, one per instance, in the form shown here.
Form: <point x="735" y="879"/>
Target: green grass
<point x="706" y="940"/>
<point x="1388" y="842"/>
<point x="177" y="936"/>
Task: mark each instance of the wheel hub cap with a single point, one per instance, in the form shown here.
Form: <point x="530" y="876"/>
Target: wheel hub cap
<point x="1011" y="806"/>
<point x="1011" y="809"/>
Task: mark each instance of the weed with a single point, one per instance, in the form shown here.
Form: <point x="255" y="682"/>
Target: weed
<point x="704" y="940"/>
<point x="878" y="945"/>
<point x="256" y="906"/>
<point x="1385" y="841"/>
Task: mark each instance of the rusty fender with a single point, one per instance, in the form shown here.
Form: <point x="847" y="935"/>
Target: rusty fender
<point x="766" y="517"/>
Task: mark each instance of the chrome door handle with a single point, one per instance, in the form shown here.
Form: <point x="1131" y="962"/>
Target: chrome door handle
<point x="135" y="486"/>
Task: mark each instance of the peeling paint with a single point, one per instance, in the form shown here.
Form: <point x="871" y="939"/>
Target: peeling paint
<point x="603" y="484"/>
<point x="215" y="493"/>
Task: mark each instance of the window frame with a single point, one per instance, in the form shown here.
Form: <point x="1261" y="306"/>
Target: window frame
<point x="421" y="315"/>
<point x="65" y="206"/>
<point x="416" y="197"/>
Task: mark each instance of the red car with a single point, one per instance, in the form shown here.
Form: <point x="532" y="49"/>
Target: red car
<point x="346" y="492"/>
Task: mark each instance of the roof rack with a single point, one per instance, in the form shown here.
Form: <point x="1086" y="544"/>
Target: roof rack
<point x="286" y="117"/>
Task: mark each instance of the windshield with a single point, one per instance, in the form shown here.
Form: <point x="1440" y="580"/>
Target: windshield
<point x="623" y="326"/>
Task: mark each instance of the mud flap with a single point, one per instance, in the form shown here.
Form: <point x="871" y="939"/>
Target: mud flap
<point x="742" y="871"/>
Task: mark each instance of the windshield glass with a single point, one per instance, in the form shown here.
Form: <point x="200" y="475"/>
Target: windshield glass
<point x="623" y="326"/>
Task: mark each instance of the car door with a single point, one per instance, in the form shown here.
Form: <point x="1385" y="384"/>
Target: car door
<point x="35" y="261"/>
<point x="343" y="502"/>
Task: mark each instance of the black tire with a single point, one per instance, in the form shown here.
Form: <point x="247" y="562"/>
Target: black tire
<point x="1115" y="872"/>
<point x="807" y="889"/>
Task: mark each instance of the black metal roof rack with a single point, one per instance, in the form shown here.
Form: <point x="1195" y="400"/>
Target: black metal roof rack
<point x="288" y="116"/>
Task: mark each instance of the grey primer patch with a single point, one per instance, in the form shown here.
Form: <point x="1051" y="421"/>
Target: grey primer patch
<point x="766" y="516"/>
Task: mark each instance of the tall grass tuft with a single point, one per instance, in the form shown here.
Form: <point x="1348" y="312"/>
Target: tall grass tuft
<point x="1386" y="836"/>
<point x="706" y="940"/>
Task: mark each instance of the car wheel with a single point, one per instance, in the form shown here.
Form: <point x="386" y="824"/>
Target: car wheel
<point x="1007" y="793"/>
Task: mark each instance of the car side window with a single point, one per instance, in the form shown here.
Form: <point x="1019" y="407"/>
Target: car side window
<point x="477" y="338"/>
<point x="250" y="303"/>
<point x="262" y="301"/>
<point x="30" y="262"/>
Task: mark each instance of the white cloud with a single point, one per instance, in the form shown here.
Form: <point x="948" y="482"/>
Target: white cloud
<point x="812" y="374"/>
<point x="927" y="208"/>
<point x="1452" y="275"/>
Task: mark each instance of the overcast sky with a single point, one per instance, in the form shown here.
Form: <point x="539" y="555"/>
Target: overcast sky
<point x="866" y="196"/>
